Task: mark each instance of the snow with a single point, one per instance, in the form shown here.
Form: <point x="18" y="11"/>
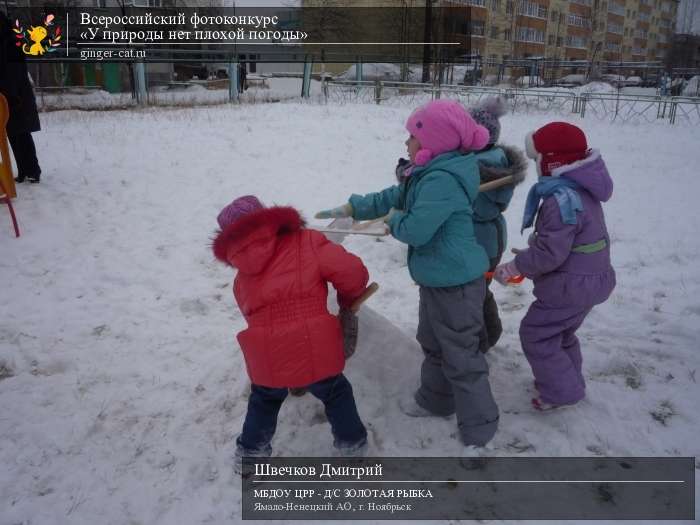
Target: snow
<point x="176" y="94"/>
<point x="121" y="382"/>
<point x="692" y="88"/>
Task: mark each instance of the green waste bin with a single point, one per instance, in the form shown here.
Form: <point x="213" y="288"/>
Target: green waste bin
<point x="111" y="77"/>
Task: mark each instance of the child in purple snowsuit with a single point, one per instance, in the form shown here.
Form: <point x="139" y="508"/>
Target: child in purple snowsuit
<point x="568" y="258"/>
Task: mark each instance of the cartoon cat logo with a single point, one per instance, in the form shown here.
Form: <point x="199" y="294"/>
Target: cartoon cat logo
<point x="32" y="40"/>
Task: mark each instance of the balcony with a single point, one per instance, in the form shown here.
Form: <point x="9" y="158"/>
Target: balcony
<point x="532" y="9"/>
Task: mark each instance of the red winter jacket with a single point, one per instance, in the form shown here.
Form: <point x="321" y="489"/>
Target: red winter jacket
<point x="281" y="288"/>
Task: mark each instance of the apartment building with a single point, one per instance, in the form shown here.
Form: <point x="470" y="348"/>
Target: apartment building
<point x="610" y="30"/>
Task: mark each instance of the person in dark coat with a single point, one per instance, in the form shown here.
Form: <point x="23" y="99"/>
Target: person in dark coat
<point x="242" y="82"/>
<point x="24" y="117"/>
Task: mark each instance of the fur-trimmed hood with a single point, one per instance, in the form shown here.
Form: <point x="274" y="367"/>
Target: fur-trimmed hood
<point x="248" y="243"/>
<point x="517" y="166"/>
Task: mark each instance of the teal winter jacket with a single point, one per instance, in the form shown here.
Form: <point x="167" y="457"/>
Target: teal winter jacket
<point x="489" y="223"/>
<point x="434" y="217"/>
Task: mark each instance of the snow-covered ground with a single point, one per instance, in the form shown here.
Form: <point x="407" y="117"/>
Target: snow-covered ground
<point x="121" y="383"/>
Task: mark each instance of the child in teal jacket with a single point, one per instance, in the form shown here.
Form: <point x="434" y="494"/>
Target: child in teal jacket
<point x="432" y="212"/>
<point x="495" y="162"/>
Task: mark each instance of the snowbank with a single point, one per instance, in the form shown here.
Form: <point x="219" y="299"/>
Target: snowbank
<point x="692" y="88"/>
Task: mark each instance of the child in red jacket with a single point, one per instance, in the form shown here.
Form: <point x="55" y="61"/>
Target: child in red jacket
<point x="291" y="340"/>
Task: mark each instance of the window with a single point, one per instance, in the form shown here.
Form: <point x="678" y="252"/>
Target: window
<point x="559" y="41"/>
<point x="641" y="33"/>
<point x="145" y="3"/>
<point x="477" y="3"/>
<point x="666" y="7"/>
<point x="615" y="28"/>
<point x="644" y="17"/>
<point x="665" y="22"/>
<point x="663" y="38"/>
<point x="550" y="41"/>
<point x="578" y="42"/>
<point x="612" y="46"/>
<point x="507" y="34"/>
<point x="617" y="9"/>
<point x="495" y="5"/>
<point x="494" y="32"/>
<point x="477" y="28"/>
<point x="532" y="9"/>
<point x="554" y="16"/>
<point x="578" y="20"/>
<point x="639" y="51"/>
<point x="530" y="34"/>
<point x="509" y="7"/>
<point x="583" y="2"/>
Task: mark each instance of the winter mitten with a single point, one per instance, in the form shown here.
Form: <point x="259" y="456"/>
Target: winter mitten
<point x="336" y="213"/>
<point x="401" y="168"/>
<point x="349" y="325"/>
<point x="388" y="216"/>
<point x="506" y="271"/>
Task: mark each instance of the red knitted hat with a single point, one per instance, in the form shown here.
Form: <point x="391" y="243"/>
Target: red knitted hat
<point x="556" y="144"/>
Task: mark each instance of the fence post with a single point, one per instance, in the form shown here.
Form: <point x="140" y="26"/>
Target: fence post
<point x="306" y="82"/>
<point x="233" y="80"/>
<point x="140" y="79"/>
<point x="583" y="106"/>
<point x="672" y="112"/>
<point x="378" y="91"/>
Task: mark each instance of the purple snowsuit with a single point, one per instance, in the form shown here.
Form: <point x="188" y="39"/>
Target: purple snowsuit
<point x="570" y="267"/>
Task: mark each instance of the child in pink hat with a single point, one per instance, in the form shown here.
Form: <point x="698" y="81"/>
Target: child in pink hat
<point x="432" y="211"/>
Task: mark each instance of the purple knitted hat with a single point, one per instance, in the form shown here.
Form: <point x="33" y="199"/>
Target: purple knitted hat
<point x="237" y="209"/>
<point x="486" y="113"/>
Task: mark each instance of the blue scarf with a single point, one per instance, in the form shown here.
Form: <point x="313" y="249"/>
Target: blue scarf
<point x="564" y="191"/>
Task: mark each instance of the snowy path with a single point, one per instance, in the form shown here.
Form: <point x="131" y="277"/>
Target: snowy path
<point x="121" y="383"/>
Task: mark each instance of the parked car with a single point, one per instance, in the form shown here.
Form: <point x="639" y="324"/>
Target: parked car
<point x="616" y="80"/>
<point x="529" y="81"/>
<point x="571" y="81"/>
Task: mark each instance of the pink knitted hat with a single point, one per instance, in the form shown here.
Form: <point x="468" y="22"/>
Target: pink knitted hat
<point x="237" y="209"/>
<point x="444" y="125"/>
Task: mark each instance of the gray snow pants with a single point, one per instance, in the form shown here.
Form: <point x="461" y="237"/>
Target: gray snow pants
<point x="455" y="374"/>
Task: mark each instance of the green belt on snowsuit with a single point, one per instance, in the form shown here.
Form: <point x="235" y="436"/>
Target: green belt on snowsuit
<point x="590" y="248"/>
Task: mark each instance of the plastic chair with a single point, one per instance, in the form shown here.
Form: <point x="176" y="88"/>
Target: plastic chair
<point x="7" y="181"/>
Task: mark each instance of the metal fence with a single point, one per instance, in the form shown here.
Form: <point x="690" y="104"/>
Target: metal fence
<point x="613" y="107"/>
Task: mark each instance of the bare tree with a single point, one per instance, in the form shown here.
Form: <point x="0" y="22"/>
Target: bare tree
<point x="325" y="22"/>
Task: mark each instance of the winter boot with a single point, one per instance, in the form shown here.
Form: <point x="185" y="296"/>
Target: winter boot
<point x="543" y="406"/>
<point x="412" y="409"/>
